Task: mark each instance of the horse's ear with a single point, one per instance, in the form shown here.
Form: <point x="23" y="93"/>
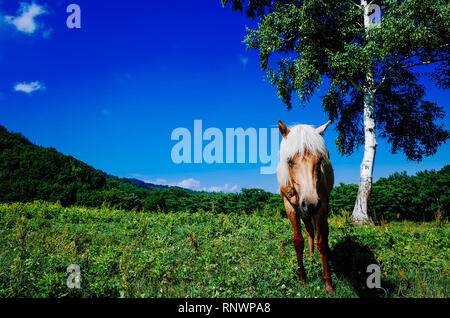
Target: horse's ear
<point x="283" y="129"/>
<point x="322" y="128"/>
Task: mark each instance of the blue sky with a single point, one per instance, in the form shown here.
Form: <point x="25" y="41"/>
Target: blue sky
<point x="112" y="92"/>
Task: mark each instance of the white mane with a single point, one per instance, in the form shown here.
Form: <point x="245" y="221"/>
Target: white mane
<point x="301" y="138"/>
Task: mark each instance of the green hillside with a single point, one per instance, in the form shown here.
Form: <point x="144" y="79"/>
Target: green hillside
<point x="29" y="172"/>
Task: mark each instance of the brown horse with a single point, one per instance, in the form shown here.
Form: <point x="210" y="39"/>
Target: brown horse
<point x="305" y="177"/>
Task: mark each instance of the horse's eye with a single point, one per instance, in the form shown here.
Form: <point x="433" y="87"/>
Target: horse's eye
<point x="319" y="165"/>
<point x="290" y="163"/>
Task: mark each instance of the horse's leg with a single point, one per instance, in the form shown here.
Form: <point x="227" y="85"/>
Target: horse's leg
<point x="324" y="250"/>
<point x="310" y="234"/>
<point x="299" y="242"/>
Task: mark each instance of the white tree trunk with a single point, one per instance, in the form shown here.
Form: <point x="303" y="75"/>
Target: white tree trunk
<point x="361" y="210"/>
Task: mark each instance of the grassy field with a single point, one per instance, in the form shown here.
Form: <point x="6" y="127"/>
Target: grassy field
<point x="130" y="254"/>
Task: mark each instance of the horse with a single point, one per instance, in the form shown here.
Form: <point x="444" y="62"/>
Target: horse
<point x="305" y="177"/>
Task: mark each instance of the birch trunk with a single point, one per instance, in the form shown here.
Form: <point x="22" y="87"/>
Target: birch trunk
<point x="361" y="210"/>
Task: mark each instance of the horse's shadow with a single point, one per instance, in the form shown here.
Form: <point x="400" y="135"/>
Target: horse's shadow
<point x="349" y="259"/>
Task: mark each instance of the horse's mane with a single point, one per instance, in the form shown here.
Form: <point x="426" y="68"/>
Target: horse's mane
<point x="301" y="139"/>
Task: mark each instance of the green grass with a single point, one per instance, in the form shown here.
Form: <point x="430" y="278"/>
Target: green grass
<point x="130" y="254"/>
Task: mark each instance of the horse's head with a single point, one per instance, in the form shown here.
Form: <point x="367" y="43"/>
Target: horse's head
<point x="302" y="167"/>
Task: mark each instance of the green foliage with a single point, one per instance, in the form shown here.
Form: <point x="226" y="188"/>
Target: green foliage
<point x="204" y="254"/>
<point x="246" y="202"/>
<point x="343" y="197"/>
<point x="401" y="196"/>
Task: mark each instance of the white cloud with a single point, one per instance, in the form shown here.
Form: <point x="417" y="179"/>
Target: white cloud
<point x="189" y="184"/>
<point x="157" y="181"/>
<point x="29" y="87"/>
<point x="25" y="22"/>
<point x="194" y="184"/>
<point x="225" y="188"/>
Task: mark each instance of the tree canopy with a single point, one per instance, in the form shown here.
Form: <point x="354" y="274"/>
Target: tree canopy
<point x="305" y="44"/>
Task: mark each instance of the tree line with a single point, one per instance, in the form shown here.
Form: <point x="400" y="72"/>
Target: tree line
<point x="397" y="197"/>
<point x="400" y="196"/>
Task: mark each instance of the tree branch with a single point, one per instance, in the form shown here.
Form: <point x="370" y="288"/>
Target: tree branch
<point x="287" y="40"/>
<point x="423" y="63"/>
<point x="389" y="70"/>
<point x="355" y="85"/>
<point x="354" y="3"/>
<point x="407" y="66"/>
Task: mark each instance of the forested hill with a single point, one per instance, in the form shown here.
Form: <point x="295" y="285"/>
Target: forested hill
<point x="29" y="172"/>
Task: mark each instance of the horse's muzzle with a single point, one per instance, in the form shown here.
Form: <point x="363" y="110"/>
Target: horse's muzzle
<point x="309" y="208"/>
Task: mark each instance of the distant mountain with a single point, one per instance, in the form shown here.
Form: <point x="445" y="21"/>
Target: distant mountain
<point x="148" y="185"/>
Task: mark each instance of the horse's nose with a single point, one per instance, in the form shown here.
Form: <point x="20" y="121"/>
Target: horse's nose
<point x="310" y="208"/>
<point x="303" y="204"/>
